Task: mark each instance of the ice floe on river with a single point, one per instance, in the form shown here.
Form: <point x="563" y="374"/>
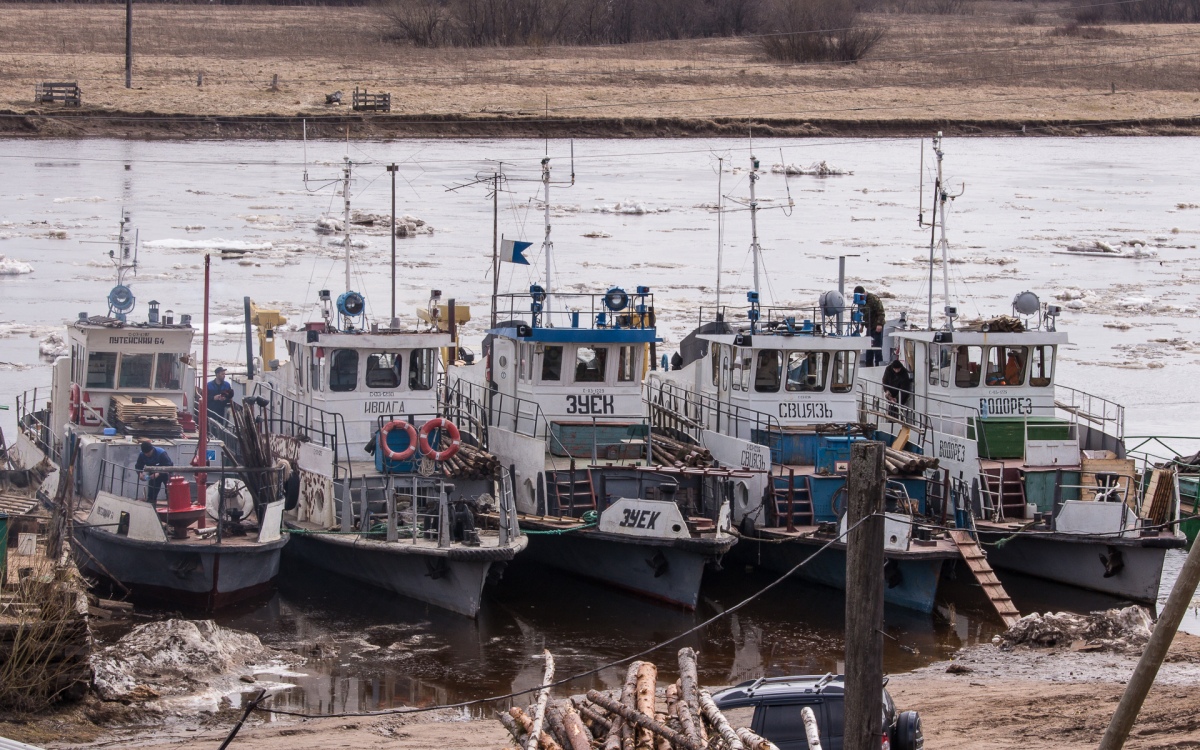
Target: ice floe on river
<point x="213" y="244"/>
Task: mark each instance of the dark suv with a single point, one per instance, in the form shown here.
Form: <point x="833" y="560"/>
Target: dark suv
<point x="771" y="709"/>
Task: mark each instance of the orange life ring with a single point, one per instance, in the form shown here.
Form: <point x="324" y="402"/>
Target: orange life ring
<point x="444" y="424"/>
<point x="73" y="406"/>
<point x="405" y="454"/>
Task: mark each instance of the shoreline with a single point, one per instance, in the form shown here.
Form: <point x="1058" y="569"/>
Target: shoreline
<point x="88" y="124"/>
<point x="1031" y="698"/>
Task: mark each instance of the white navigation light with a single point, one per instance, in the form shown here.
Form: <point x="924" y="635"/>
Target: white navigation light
<point x="1027" y="303"/>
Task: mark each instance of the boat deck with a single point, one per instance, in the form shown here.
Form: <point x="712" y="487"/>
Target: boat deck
<point x="487" y="537"/>
<point x="940" y="548"/>
<point x="699" y="526"/>
<point x="205" y="537"/>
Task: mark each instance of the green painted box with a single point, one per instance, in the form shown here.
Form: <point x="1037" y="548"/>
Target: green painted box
<point x="1004" y="437"/>
<point x="1039" y="488"/>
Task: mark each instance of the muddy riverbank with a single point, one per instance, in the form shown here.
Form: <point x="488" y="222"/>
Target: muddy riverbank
<point x="1027" y="698"/>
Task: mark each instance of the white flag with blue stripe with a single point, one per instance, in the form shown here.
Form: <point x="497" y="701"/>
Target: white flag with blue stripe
<point x="513" y="251"/>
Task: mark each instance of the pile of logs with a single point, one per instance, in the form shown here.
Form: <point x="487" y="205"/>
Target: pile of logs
<point x="903" y="462"/>
<point x="640" y="716"/>
<point x="470" y="462"/>
<point x="667" y="451"/>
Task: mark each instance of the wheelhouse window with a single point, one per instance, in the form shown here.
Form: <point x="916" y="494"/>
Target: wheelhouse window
<point x="590" y="363"/>
<point x="383" y="370"/>
<point x="1012" y="361"/>
<point x="168" y="372"/>
<point x="741" y="370"/>
<point x="1041" y="366"/>
<point x="420" y="370"/>
<point x="343" y="370"/>
<point x="714" y="353"/>
<point x="101" y="369"/>
<point x="806" y="371"/>
<point x="135" y="370"/>
<point x="766" y="374"/>
<point x="315" y="366"/>
<point x="627" y="364"/>
<point x="842" y="376"/>
<point x="968" y="363"/>
<point x="552" y="358"/>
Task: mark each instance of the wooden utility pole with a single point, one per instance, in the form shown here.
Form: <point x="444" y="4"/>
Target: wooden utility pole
<point x="128" y="44"/>
<point x="864" y="597"/>
<point x="1152" y="658"/>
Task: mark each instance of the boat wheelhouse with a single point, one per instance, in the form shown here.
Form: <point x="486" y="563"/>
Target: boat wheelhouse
<point x="776" y="396"/>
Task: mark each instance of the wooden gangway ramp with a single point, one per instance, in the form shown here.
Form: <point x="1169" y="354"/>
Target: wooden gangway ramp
<point x="983" y="572"/>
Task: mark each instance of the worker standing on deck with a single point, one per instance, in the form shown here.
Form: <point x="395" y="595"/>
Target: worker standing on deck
<point x="875" y="321"/>
<point x="220" y="394"/>
<point x="149" y="458"/>
<point x="897" y="387"/>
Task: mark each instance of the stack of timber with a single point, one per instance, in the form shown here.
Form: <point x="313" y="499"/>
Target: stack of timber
<point x="641" y="716"/>
<point x="45" y="643"/>
<point x="670" y="452"/>
<point x="903" y="462"/>
<point x="146" y="416"/>
<point x="470" y="462"/>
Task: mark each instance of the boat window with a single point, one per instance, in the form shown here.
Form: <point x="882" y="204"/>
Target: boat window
<point x="101" y="369"/>
<point x="741" y="371"/>
<point x="524" y="366"/>
<point x="939" y="364"/>
<point x="766" y="376"/>
<point x="842" y="377"/>
<point x="1006" y="365"/>
<point x="343" y="370"/>
<point x="552" y="363"/>
<point x="1041" y="367"/>
<point x="420" y="370"/>
<point x="383" y="370"/>
<point x="168" y="372"/>
<point x="626" y="365"/>
<point x="299" y="366"/>
<point x="968" y="363"/>
<point x="590" y="363"/>
<point x="806" y="371"/>
<point x="714" y="353"/>
<point x="910" y="355"/>
<point x="74" y="363"/>
<point x="135" y="370"/>
<point x="1012" y="367"/>
<point x="315" y="365"/>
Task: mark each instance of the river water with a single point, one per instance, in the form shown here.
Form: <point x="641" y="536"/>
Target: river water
<point x="638" y="213"/>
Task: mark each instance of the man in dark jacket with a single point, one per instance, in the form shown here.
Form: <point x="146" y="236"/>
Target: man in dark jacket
<point x="220" y="394"/>
<point x="875" y="320"/>
<point x="897" y="386"/>
<point x="149" y="458"/>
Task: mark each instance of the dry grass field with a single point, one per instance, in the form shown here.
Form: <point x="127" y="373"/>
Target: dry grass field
<point x="1003" y="65"/>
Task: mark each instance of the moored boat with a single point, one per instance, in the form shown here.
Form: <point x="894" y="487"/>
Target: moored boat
<point x="123" y="384"/>
<point x="1039" y="470"/>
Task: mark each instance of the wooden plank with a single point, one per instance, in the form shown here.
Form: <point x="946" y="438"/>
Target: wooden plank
<point x="983" y="572"/>
<point x="901" y="439"/>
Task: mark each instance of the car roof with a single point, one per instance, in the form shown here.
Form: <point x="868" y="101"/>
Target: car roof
<point x="782" y="688"/>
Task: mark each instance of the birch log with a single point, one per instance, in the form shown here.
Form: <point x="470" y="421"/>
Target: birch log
<point x="647" y="681"/>
<point x="753" y="742"/>
<point x="578" y="736"/>
<point x="717" y="719"/>
<point x="689" y="707"/>
<point x="634" y="716"/>
<point x="539" y="713"/>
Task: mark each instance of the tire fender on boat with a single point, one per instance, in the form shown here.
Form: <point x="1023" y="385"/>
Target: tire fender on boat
<point x="451" y="430"/>
<point x="405" y="454"/>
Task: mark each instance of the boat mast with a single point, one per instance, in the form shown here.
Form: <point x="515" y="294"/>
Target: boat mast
<point x="720" y="229"/>
<point x="941" y="198"/>
<point x="755" y="250"/>
<point x="547" y="245"/>
<point x="346" y="217"/>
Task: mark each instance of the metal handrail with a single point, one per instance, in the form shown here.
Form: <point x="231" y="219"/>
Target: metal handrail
<point x="638" y="314"/>
<point x="335" y="439"/>
<point x="1083" y="405"/>
<point x="704" y="405"/>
